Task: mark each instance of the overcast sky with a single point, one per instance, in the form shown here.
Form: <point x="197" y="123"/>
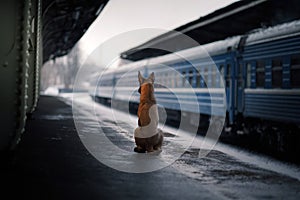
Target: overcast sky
<point x="124" y="24"/>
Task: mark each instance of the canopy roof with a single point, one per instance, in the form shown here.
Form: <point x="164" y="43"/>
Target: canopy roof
<point x="235" y="19"/>
<point x="64" y="23"/>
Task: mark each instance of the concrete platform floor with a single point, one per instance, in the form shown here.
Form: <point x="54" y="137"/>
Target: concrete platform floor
<point x="52" y="163"/>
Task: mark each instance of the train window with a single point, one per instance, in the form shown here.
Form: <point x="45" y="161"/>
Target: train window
<point x="248" y="65"/>
<point x="276" y="73"/>
<point x="161" y="79"/>
<point x="172" y="79"/>
<point x="221" y="69"/>
<point x="191" y="75"/>
<point x="175" y="79"/>
<point x="198" y="83"/>
<point x="157" y="79"/>
<point x="177" y="83"/>
<point x="205" y="77"/>
<point x="166" y="78"/>
<point x="213" y="76"/>
<point x="183" y="79"/>
<point x="295" y="71"/>
<point x="260" y="73"/>
<point x="240" y="76"/>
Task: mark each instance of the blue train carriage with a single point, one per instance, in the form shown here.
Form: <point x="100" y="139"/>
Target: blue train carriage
<point x="191" y="78"/>
<point x="101" y="87"/>
<point x="185" y="79"/>
<point x="117" y="85"/>
<point x="271" y="77"/>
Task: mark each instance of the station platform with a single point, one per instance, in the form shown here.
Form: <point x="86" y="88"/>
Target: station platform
<point x="51" y="162"/>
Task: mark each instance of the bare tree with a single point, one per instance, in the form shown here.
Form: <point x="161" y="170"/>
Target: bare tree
<point x="62" y="71"/>
<point x="72" y="66"/>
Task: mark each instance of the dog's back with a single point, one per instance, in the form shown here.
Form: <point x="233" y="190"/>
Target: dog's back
<point x="147" y="101"/>
<point x="147" y="136"/>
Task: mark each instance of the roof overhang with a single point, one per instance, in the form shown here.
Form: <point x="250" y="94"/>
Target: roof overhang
<point x="235" y="19"/>
<point x="64" y="23"/>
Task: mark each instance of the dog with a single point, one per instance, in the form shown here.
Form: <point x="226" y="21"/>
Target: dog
<point x="148" y="137"/>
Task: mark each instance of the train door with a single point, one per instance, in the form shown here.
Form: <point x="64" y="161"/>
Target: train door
<point x="230" y="88"/>
<point x="241" y="80"/>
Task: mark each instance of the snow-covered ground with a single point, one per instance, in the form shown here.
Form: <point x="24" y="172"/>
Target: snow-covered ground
<point x="227" y="171"/>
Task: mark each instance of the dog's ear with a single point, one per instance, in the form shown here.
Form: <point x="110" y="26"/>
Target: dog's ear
<point x="151" y="77"/>
<point x="141" y="78"/>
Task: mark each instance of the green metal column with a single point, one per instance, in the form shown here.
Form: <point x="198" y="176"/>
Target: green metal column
<point x="16" y="57"/>
<point x="34" y="53"/>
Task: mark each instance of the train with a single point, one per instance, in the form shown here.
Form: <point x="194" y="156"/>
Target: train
<point x="252" y="79"/>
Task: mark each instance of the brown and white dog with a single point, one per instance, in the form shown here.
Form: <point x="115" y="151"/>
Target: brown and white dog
<point x="147" y="136"/>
